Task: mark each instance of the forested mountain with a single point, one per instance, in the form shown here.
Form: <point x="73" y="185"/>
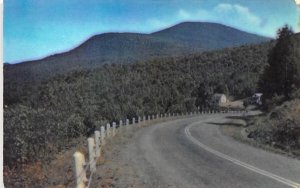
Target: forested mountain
<point x="49" y="114"/>
<point x="182" y="39"/>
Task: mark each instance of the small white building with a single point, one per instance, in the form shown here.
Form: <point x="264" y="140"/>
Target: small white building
<point x="219" y="98"/>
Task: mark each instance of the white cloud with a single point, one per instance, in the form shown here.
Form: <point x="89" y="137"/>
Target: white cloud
<point x="223" y="7"/>
<point x="247" y="15"/>
<point x="238" y="12"/>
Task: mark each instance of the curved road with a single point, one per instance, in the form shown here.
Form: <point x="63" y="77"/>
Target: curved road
<point x="193" y="152"/>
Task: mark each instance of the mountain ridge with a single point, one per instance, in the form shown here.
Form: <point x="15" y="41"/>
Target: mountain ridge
<point x="219" y="35"/>
<point x="153" y="34"/>
<point x="127" y="47"/>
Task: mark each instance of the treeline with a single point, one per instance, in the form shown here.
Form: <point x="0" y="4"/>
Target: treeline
<point x="40" y="120"/>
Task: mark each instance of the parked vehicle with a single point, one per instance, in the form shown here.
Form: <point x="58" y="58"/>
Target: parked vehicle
<point x="256" y="99"/>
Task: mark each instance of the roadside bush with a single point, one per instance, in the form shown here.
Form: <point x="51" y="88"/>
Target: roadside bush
<point x="280" y="127"/>
<point x="286" y="135"/>
<point x="75" y="126"/>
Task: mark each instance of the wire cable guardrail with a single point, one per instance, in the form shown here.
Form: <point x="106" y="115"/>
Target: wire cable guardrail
<point x="95" y="143"/>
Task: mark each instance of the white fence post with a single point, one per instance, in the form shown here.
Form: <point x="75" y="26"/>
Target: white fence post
<point x="108" y="130"/>
<point x="91" y="147"/>
<point x="102" y="136"/>
<point x="97" y="138"/>
<point x="133" y="121"/>
<point x="127" y="124"/>
<point x="139" y="121"/>
<point x="121" y="124"/>
<point x="80" y="174"/>
<point x="114" y="125"/>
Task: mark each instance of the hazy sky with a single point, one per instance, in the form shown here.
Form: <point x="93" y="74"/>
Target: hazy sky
<point x="37" y="28"/>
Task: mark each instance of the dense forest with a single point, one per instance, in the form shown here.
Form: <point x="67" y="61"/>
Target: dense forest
<point x="44" y="117"/>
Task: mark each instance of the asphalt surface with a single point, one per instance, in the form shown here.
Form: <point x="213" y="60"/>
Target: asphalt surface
<point x="193" y="152"/>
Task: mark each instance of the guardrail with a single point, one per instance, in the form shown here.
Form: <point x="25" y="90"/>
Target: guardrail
<point x="83" y="168"/>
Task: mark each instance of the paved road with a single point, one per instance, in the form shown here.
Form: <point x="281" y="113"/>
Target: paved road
<point x="193" y="152"/>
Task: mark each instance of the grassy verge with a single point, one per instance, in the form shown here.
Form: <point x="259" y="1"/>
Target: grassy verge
<point x="240" y="128"/>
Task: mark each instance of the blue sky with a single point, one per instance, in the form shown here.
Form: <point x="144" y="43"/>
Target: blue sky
<point x="37" y="28"/>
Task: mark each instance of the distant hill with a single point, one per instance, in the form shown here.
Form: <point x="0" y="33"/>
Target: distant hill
<point x="202" y="36"/>
<point x="182" y="39"/>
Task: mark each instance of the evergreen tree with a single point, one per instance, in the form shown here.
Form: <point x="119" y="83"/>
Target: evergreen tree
<point x="282" y="75"/>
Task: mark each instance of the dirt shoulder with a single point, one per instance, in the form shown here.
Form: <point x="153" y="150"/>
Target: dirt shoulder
<point x="113" y="169"/>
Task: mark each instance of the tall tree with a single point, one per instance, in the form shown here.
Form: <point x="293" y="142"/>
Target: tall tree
<point x="282" y="75"/>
